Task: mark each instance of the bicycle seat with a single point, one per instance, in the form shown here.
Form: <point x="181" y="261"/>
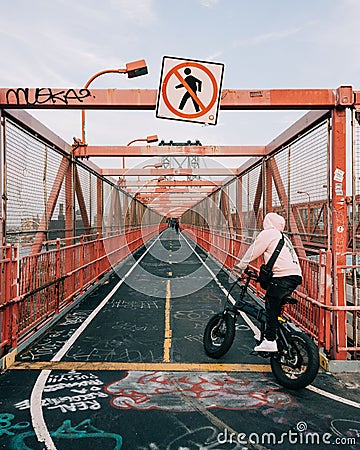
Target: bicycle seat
<point x="289" y="300"/>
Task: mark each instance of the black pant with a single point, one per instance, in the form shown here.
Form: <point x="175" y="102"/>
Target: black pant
<point x="278" y="289"/>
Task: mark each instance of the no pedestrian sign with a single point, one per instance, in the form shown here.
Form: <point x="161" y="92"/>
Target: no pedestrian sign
<point x="189" y="90"/>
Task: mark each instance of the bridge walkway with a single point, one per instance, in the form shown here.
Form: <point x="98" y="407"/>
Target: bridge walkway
<point x="126" y="369"/>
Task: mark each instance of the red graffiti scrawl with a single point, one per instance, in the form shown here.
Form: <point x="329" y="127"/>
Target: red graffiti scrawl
<point x="171" y="390"/>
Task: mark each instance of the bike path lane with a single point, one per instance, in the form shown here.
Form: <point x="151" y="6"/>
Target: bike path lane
<point x="158" y="408"/>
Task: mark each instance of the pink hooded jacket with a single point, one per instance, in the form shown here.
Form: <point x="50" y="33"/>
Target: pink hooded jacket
<point x="287" y="263"/>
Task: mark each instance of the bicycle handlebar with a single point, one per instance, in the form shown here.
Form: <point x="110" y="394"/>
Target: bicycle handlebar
<point x="251" y="274"/>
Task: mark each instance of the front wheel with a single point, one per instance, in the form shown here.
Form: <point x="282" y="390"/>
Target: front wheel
<point x="219" y="335"/>
<point x="298" y="367"/>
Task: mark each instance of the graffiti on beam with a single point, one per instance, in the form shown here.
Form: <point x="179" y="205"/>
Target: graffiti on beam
<point x="41" y="96"/>
<point x="170" y="390"/>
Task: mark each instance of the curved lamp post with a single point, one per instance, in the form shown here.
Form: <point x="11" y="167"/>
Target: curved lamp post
<point x="133" y="69"/>
<point x="148" y="139"/>
<point x="156" y="166"/>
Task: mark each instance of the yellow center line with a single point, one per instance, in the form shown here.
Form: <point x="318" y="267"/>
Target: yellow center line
<point x="168" y="331"/>
<point x="137" y="366"/>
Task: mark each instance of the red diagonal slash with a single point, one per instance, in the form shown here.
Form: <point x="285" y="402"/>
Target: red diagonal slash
<point x="190" y="91"/>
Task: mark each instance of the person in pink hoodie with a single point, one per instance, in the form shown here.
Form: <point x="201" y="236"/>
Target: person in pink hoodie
<point x="286" y="273"/>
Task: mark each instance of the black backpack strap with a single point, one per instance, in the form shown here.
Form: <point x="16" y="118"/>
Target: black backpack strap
<point x="274" y="256"/>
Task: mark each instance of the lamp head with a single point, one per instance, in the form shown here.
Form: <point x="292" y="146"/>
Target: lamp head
<point x="153" y="138"/>
<point x="136" y="68"/>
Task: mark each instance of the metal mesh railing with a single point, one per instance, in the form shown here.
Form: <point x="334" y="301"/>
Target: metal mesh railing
<point x="31" y="168"/>
<point x="32" y="172"/>
<point x="294" y="182"/>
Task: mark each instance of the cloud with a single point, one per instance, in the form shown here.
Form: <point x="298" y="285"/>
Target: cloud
<point x="275" y="35"/>
<point x="214" y="56"/>
<point x="209" y="3"/>
<point x="141" y="12"/>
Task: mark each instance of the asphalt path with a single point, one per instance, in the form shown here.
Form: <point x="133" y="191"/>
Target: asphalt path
<point x="126" y="369"/>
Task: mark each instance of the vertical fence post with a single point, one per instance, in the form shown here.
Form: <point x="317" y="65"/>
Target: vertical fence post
<point x="97" y="255"/>
<point x="328" y="287"/>
<point x="58" y="275"/>
<point x="321" y="296"/>
<point x="81" y="263"/>
<point x="2" y="181"/>
<point x="7" y="295"/>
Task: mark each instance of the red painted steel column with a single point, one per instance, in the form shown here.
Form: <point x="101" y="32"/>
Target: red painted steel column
<point x="69" y="200"/>
<point x="339" y="226"/>
<point x="2" y="182"/>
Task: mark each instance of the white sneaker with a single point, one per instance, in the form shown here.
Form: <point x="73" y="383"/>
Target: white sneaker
<point x="266" y="346"/>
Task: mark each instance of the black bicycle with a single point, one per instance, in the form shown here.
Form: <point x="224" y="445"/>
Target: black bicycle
<point x="295" y="364"/>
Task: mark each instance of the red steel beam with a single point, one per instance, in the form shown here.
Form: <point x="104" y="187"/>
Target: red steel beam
<point x="197" y="183"/>
<point x="85" y="151"/>
<point x="150" y="189"/>
<point x="171" y="172"/>
<point x="145" y="99"/>
<point x="162" y="199"/>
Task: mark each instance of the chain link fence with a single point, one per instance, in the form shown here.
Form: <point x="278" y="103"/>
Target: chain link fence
<point x="37" y="195"/>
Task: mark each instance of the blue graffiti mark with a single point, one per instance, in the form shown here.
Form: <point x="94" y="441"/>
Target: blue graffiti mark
<point x="84" y="430"/>
<point x="6" y="426"/>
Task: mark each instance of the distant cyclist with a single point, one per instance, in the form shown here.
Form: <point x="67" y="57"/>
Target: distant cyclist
<point x="286" y="274"/>
<point x="177" y="225"/>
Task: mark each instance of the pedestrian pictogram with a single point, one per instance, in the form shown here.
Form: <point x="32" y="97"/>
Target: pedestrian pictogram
<point x="189" y="90"/>
<point x="194" y="86"/>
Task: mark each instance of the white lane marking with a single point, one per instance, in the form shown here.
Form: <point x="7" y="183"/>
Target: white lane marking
<point x="335" y="397"/>
<point x="251" y="324"/>
<point x="37" y="416"/>
<point x="255" y="328"/>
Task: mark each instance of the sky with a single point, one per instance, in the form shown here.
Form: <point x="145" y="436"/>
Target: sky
<point x="264" y="44"/>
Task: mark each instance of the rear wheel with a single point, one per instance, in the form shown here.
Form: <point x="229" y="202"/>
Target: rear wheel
<point x="298" y="367"/>
<point x="219" y="335"/>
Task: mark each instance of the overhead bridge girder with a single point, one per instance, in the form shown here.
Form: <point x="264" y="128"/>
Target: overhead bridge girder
<point x="171" y="172"/>
<point x="145" y="99"/>
<point x="85" y="151"/>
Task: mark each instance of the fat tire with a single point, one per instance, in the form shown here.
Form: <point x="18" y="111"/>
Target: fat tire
<point x="217" y="350"/>
<point x="312" y="368"/>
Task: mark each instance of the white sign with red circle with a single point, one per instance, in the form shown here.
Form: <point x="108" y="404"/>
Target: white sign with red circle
<point x="189" y="90"/>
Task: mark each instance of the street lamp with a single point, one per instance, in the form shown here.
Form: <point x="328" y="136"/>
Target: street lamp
<point x="156" y="166"/>
<point x="139" y="194"/>
<point x="148" y="139"/>
<point x="308" y="212"/>
<point x="133" y="69"/>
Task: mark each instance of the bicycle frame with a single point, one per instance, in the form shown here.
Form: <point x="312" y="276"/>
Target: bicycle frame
<point x="296" y="362"/>
<point x="257" y="312"/>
